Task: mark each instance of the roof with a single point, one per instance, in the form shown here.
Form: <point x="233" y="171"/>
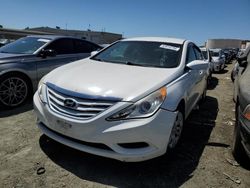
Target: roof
<point x="215" y="49"/>
<point x="157" y="39"/>
<point x="52" y="37"/>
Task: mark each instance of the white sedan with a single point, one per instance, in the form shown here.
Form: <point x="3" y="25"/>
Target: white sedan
<point x="127" y="102"/>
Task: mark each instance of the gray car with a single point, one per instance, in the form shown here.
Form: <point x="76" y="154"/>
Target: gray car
<point x="24" y="62"/>
<point x="241" y="141"/>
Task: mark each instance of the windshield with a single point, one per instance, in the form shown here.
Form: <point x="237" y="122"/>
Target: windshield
<point x="27" y="45"/>
<point x="204" y="54"/>
<point x="142" y="53"/>
<point x="215" y="54"/>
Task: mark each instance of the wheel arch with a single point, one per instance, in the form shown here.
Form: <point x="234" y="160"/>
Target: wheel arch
<point x="182" y="107"/>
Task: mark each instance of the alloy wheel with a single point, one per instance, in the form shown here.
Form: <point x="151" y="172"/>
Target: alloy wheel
<point x="13" y="91"/>
<point x="176" y="131"/>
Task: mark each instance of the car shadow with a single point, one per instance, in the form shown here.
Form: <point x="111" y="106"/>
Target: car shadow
<point x="169" y="170"/>
<point x="6" y="112"/>
<point x="213" y="83"/>
<point x="222" y="71"/>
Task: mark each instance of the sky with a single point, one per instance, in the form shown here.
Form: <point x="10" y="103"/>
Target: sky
<point x="196" y="20"/>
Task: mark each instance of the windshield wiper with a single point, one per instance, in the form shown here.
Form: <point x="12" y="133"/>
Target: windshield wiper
<point x="135" y="64"/>
<point x="97" y="59"/>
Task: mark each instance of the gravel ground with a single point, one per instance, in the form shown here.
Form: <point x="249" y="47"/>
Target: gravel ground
<point x="202" y="159"/>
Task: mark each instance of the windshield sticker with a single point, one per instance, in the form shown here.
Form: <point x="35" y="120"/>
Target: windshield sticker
<point x="43" y="40"/>
<point x="168" y="47"/>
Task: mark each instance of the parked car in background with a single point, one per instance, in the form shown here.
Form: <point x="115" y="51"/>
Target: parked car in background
<point x="218" y="58"/>
<point x="104" y="45"/>
<point x="234" y="71"/>
<point x="127" y="102"/>
<point x="4" y="42"/>
<point x="240" y="58"/>
<point x="241" y="141"/>
<point x="207" y="55"/>
<point x="228" y="55"/>
<point x="24" y="62"/>
<point x="240" y="52"/>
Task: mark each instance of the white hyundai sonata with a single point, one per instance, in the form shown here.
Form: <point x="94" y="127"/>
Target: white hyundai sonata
<point x="127" y="102"/>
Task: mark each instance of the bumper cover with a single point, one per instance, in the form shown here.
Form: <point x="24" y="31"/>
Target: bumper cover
<point x="154" y="131"/>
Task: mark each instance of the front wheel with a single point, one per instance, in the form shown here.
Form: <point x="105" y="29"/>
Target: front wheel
<point x="176" y="131"/>
<point x="13" y="90"/>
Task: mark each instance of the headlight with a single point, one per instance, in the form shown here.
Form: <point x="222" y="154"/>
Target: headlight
<point x="142" y="108"/>
<point x="246" y="112"/>
<point x="42" y="91"/>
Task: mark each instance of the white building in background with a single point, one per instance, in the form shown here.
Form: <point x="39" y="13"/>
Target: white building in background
<point x="227" y="43"/>
<point x="98" y="37"/>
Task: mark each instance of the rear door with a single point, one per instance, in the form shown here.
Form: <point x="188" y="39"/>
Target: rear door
<point x="84" y="48"/>
<point x="192" y="80"/>
<point x="203" y="74"/>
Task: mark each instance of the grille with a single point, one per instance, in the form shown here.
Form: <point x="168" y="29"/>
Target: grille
<point x="83" y="108"/>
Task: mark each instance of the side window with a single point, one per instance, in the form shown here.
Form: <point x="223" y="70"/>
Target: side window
<point x="82" y="46"/>
<point x="198" y="54"/>
<point x="62" y="46"/>
<point x="190" y="54"/>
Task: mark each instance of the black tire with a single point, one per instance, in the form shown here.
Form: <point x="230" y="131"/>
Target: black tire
<point x="204" y="95"/>
<point x="176" y="131"/>
<point x="237" y="148"/>
<point x="209" y="79"/>
<point x="232" y="76"/>
<point x="14" y="90"/>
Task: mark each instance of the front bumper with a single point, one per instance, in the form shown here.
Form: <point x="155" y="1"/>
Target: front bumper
<point x="245" y="134"/>
<point x="113" y="136"/>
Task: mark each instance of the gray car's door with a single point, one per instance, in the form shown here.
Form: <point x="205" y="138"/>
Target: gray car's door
<point x="67" y="50"/>
<point x="84" y="48"/>
<point x="64" y="48"/>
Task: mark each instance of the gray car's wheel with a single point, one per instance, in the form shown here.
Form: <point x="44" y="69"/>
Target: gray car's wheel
<point x="13" y="90"/>
<point x="176" y="131"/>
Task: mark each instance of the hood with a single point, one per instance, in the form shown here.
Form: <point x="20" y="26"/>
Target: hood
<point x="126" y="82"/>
<point x="6" y="57"/>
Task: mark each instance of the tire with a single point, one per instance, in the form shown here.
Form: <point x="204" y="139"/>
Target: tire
<point x="209" y="78"/>
<point x="237" y="148"/>
<point x="204" y="95"/>
<point x="14" y="90"/>
<point x="232" y="76"/>
<point x="176" y="131"/>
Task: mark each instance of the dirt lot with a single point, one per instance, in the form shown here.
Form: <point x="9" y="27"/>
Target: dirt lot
<point x="203" y="158"/>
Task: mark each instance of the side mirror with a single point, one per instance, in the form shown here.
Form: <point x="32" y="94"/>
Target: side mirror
<point x="242" y="61"/>
<point x="93" y="53"/>
<point x="47" y="53"/>
<point x="197" y="65"/>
